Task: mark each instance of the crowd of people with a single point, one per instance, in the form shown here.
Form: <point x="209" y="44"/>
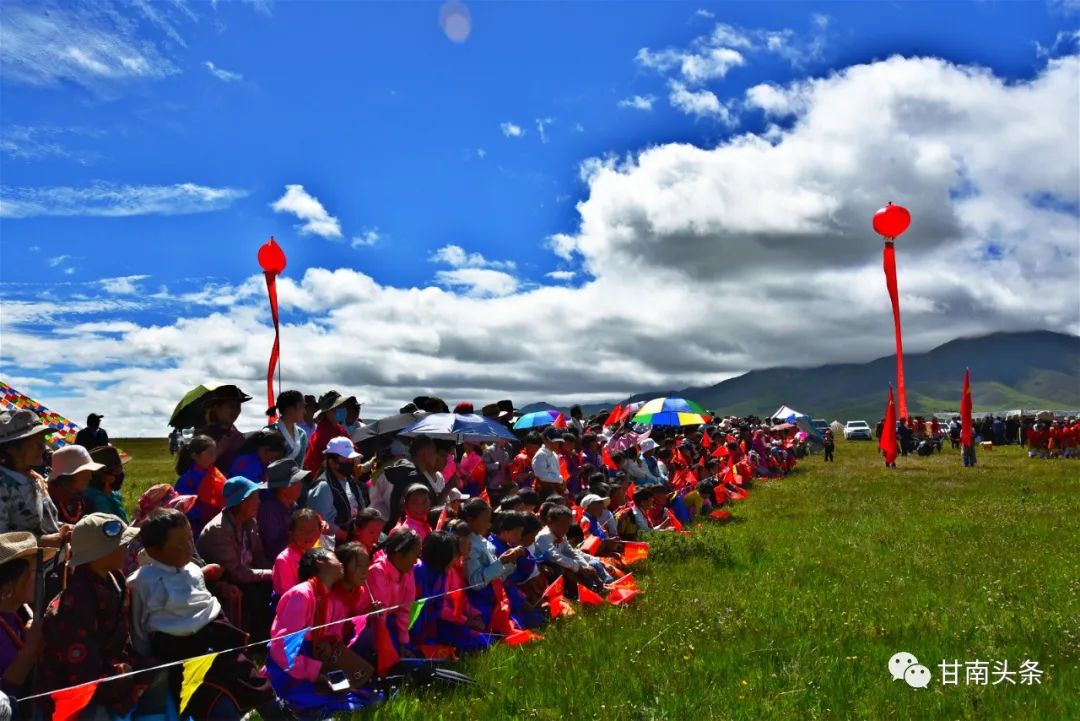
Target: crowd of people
<point x="1051" y="438"/>
<point x="317" y="528"/>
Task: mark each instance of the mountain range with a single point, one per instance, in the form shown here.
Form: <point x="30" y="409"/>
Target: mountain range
<point x="1031" y="370"/>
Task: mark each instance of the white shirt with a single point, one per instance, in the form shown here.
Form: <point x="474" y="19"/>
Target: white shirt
<point x="545" y="465"/>
<point x="169" y="600"/>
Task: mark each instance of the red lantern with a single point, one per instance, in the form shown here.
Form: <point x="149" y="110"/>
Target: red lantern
<point x="271" y="257"/>
<point x="892" y="220"/>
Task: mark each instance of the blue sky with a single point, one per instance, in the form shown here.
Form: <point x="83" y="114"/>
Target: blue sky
<point x="146" y="145"/>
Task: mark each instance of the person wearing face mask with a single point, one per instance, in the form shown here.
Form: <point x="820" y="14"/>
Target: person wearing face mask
<point x="103" y="495"/>
<point x="335" y="495"/>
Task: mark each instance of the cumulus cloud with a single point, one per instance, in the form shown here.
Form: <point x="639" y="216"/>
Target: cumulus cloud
<point x="699" y="103"/>
<point x="306" y="207"/>
<point x="368" y="238"/>
<point x="112" y="200"/>
<point x="777" y="227"/>
<point x="637" y="102"/>
<point x="123" y="285"/>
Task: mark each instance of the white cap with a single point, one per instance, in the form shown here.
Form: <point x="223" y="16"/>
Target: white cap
<point x="342" y="446"/>
<point x="648" y="445"/>
<point x="593" y="498"/>
<point x="455" y="494"/>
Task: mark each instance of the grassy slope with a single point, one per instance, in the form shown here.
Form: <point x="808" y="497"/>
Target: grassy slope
<point x="793" y="612"/>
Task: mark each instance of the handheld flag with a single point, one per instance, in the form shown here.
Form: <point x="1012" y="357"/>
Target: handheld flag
<point x="554" y="596"/>
<point x="438" y="652"/>
<point x="518" y="638"/>
<point x="605" y="455"/>
<point x="194" y="672"/>
<point x="591" y="545"/>
<point x="614" y="416"/>
<point x="627" y="582"/>
<point x="620" y="596"/>
<point x="500" y="617"/>
<point x="588" y="597"/>
<point x="675" y="523"/>
<point x="386" y="656"/>
<point x="720" y="515"/>
<point x="67" y="704"/>
<point x="441" y="523"/>
<point x="634" y="551"/>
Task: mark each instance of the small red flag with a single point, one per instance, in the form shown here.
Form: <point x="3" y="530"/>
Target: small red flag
<point x="564" y="469"/>
<point x="706" y="441"/>
<point x="67" y="704"/>
<point x="478" y="474"/>
<point x="613" y="417"/>
<point x="591" y="545"/>
<point x="560" y="421"/>
<point x="500" y="617"/>
<point x="518" y="638"/>
<point x="588" y="597"/>
<point x="441" y="523"/>
<point x="626" y="581"/>
<point x="605" y="455"/>
<point x="554" y="596"/>
<point x="386" y="656"/>
<point x="634" y="551"/>
<point x="720" y="515"/>
<point x="579" y="512"/>
<point x="484" y="495"/>
<point x="620" y="596"/>
<point x="438" y="651"/>
<point x="675" y="523"/>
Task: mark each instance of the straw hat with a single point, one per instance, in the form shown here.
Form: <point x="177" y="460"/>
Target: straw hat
<point x="20" y="544"/>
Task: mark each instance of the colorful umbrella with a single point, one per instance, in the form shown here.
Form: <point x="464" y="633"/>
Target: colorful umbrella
<point x="540" y="419"/>
<point x="458" y="427"/>
<point x="671" y="412"/>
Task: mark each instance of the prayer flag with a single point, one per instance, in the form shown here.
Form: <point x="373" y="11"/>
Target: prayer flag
<point x="386" y="656"/>
<point x="291" y="646"/>
<point x="589" y="597"/>
<point x="415" y="611"/>
<point x="68" y="703"/>
<point x="554" y="596"/>
<point x="194" y="672"/>
<point x="518" y="638"/>
<point x="634" y="551"/>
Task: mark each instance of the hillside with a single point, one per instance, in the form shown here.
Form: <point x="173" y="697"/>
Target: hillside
<point x="1037" y="369"/>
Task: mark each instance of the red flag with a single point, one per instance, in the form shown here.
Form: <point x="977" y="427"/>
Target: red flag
<point x="68" y="703"/>
<point x="720" y="515"/>
<point x="614" y="416"/>
<point x="500" y="617"/>
<point x="620" y="596"/>
<point x="386" y="656"/>
<point x="588" y="597"/>
<point x="485" y="496"/>
<point x="518" y="638"/>
<point x="720" y="495"/>
<point x="721" y="452"/>
<point x="889" y="261"/>
<point x="438" y="651"/>
<point x="626" y="581"/>
<point x="606" y="456"/>
<point x="706" y="441"/>
<point x="564" y="469"/>
<point x="887" y="442"/>
<point x="591" y="545"/>
<point x="441" y="523"/>
<point x="674" y="521"/>
<point x="966" y="433"/>
<point x="478" y="475"/>
<point x="579" y="512"/>
<point x="560" y="421"/>
<point x="634" y="551"/>
<point x="554" y="596"/>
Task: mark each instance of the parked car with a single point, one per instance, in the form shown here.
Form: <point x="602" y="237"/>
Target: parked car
<point x="857" y="430"/>
<point x="820" y="425"/>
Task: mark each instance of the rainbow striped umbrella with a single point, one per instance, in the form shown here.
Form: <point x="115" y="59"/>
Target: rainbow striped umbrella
<point x="540" y="419"/>
<point x="670" y="412"/>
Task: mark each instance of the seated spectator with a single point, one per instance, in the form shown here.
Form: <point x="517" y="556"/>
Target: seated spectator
<point x="366" y="529"/>
<point x="174" y="617"/>
<point x="483" y="567"/>
<point x="24" y="502"/>
<point x="558" y="557"/>
<point x="223" y="406"/>
<point x="352" y="593"/>
<point x="21" y="640"/>
<point x="290" y="409"/>
<point x="69" y="478"/>
<point x="103" y="495"/>
<point x="285" y="482"/>
<point x="525" y="586"/>
<point x="417" y="504"/>
<point x="231" y="540"/>
<point x="261" y="449"/>
<point x="304" y="528"/>
<point x="160" y="496"/>
<point x="302" y="682"/>
<point x="86" y="626"/>
<point x="335" y="494"/>
<point x="199" y="476"/>
<point x="391" y="581"/>
<point x="445" y="620"/>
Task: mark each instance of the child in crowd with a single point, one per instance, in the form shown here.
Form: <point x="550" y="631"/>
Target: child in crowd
<point x="483" y="567"/>
<point x="305" y="526"/>
<point x="260" y="450"/>
<point x="444" y="619"/>
<point x="416" y="504"/>
<point x="558" y="557"/>
<point x="392" y="583"/>
<point x="72" y="468"/>
<point x="201" y="478"/>
<point x="525" y="586"/>
<point x="174" y="616"/>
<point x="366" y="528"/>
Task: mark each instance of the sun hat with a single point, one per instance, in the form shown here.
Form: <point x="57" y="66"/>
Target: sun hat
<point x="648" y="445"/>
<point x="70" y="460"/>
<point x="342" y="446"/>
<point x="593" y="498"/>
<point x="109" y="456"/>
<point x="96" y="535"/>
<point x="21" y="544"/>
<point x="16" y="425"/>
<point x="237" y="489"/>
<point x="285" y="473"/>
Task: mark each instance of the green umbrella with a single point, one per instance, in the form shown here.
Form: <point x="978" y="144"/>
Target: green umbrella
<point x="191" y="410"/>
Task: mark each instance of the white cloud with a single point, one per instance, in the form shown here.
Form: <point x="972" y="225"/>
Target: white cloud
<point x="773" y="100"/>
<point x="110" y="200"/>
<point x="481" y="153"/>
<point x="779" y="228"/>
<point x="703" y="13"/>
<point x="511" y="131"/>
<point x="456" y="257"/>
<point x="123" y="285"/>
<point x="694" y="66"/>
<point x="26" y="142"/>
<point x="699" y="103"/>
<point x="637" y="102"/>
<point x="368" y="238"/>
<point x="541" y="127"/>
<point x="57" y="260"/>
<point x="221" y="74"/>
<point x="561" y="275"/>
<point x="307" y="208"/>
<point x="69" y="271"/>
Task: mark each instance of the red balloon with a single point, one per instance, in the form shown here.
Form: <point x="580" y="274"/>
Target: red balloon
<point x="892" y="220"/>
<point x="271" y="257"/>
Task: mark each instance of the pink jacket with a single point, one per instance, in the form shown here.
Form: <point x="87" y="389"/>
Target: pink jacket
<point x="422" y="529"/>
<point x="296" y="610"/>
<point x="287" y="569"/>
<point x="391" y="588"/>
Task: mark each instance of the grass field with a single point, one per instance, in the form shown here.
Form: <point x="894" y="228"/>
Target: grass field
<point x="794" y="611"/>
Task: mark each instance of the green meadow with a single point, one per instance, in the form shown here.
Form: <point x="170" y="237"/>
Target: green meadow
<point x="793" y="610"/>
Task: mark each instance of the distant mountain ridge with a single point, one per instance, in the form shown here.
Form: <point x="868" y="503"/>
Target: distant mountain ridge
<point x="1034" y="369"/>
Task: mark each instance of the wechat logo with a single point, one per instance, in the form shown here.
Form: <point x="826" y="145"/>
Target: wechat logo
<point x="904" y="666"/>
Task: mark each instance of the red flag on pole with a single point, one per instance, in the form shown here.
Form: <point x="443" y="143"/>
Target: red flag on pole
<point x="966" y="432"/>
<point x="591" y="545"/>
<point x="675" y="523"/>
<point x="554" y="596"/>
<point x="887" y="442"/>
<point x="272" y="261"/>
<point x="608" y="460"/>
<point x="634" y="551"/>
<point x="441" y="523"/>
<point x="588" y="597"/>
<point x="613" y="417"/>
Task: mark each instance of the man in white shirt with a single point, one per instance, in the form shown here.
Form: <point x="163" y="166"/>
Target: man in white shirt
<point x="545" y="464"/>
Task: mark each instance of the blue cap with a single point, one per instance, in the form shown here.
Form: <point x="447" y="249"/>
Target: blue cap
<point x="237" y="489"/>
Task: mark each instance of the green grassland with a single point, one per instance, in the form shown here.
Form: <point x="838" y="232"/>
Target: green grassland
<point x="793" y="611"/>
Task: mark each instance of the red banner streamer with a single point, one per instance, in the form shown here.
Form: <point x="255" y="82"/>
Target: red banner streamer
<point x="889" y="256"/>
<point x="272" y="261"/>
<point x="966" y="432"/>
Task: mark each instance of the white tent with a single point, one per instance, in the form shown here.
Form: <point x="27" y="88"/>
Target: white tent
<point x="785" y="414"/>
<point x="836" y="427"/>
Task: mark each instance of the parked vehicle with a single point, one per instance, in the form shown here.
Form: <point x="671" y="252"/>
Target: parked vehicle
<point x="857" y="430"/>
